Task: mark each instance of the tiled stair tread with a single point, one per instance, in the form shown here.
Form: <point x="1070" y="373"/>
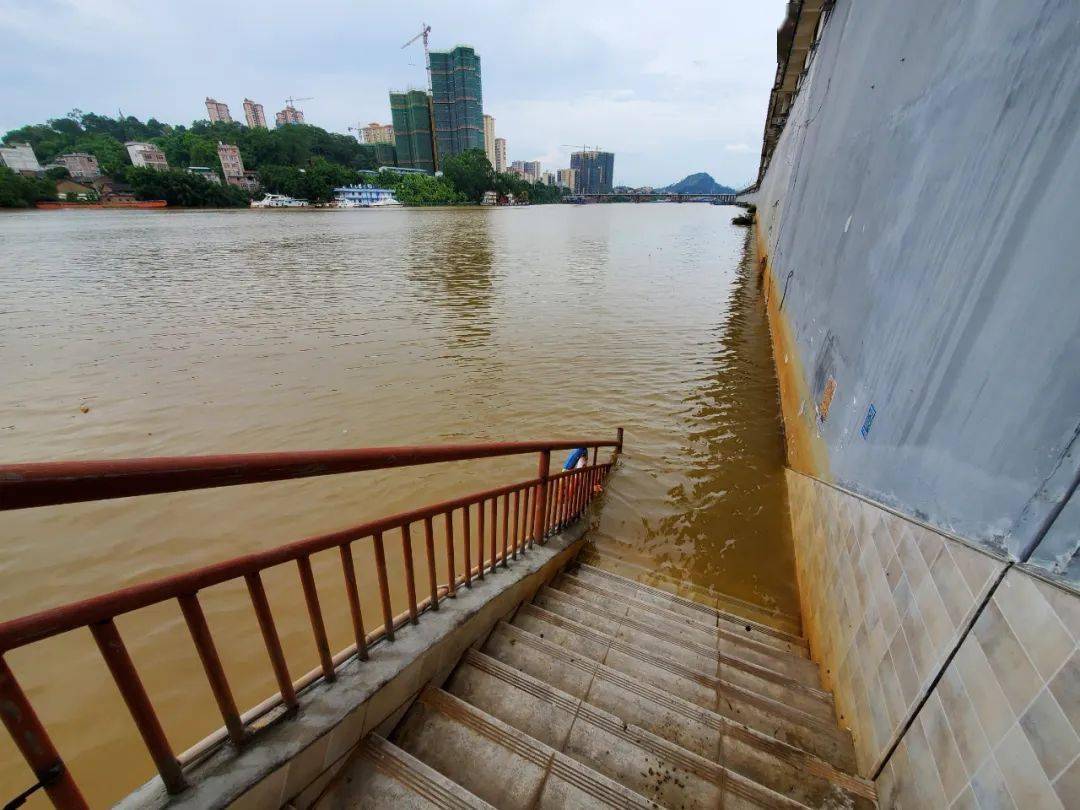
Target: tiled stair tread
<point x="822" y="738"/>
<point x="600" y="739"/>
<point x="775" y="718"/>
<point x="766" y="624"/>
<point x="727" y="646"/>
<point x="381" y="775"/>
<point x="646" y="573"/>
<point x="490" y="757"/>
<point x="528" y="703"/>
<point x="775" y="678"/>
<point x="753" y="636"/>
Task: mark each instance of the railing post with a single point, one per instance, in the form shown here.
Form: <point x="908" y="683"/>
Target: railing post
<point x="34" y="744"/>
<point x="618" y="439"/>
<point x="134" y="694"/>
<point x="541" y="496"/>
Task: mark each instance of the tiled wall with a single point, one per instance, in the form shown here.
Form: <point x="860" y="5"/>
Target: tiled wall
<point x="885" y="600"/>
<point x="1001" y="727"/>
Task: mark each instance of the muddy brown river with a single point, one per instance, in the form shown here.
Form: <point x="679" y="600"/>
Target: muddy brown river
<point x="139" y="333"/>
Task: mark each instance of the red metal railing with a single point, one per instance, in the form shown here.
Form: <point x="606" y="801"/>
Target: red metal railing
<point x="508" y="521"/>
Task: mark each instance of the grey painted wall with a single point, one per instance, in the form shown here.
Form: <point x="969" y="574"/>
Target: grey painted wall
<point x="925" y="198"/>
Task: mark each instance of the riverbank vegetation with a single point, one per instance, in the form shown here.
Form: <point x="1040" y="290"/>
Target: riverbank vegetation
<point x="180" y="188"/>
<point x="17" y="191"/>
<point x="299" y="160"/>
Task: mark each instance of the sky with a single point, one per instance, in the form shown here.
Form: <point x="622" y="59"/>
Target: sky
<point x="670" y="87"/>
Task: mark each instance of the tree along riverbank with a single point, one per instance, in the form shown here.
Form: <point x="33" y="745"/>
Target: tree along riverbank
<point x="300" y="160"/>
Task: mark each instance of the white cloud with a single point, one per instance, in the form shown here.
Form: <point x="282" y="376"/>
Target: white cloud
<point x="672" y="88"/>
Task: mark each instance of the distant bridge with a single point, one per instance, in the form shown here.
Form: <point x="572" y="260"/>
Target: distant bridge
<point x="635" y="196"/>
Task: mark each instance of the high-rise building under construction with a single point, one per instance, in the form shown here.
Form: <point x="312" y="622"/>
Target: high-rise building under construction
<point x="594" y="171"/>
<point x="411" y="113"/>
<point x="457" y="101"/>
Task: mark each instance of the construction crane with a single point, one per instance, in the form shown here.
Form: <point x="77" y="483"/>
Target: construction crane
<point x="291" y="102"/>
<point x="582" y="148"/>
<point x="425" y="29"/>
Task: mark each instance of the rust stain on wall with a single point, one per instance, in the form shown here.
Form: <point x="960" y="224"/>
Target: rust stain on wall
<point x="806" y="451"/>
<point x="826" y="399"/>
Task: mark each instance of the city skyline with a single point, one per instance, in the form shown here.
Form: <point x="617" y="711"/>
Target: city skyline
<point x="667" y="103"/>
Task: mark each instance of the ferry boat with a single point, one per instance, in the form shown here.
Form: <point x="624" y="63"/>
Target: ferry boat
<point x="365" y="196"/>
<point x="278" y="201"/>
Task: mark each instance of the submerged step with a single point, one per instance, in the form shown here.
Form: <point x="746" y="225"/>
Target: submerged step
<point x="645" y="573"/>
<point x="646" y="619"/>
<point x="686" y="748"/>
<point x="748" y="634"/>
<point x="774" y="718"/>
<point x="778" y="626"/>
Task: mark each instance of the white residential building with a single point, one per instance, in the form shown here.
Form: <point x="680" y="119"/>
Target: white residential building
<point x="19" y="157"/>
<point x="146" y="154"/>
<point x="500" y="154"/>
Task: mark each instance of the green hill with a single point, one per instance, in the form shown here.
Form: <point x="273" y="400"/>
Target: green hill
<point x="700" y="183"/>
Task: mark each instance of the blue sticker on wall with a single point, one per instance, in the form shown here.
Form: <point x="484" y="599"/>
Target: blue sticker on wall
<point x="871" y="412"/>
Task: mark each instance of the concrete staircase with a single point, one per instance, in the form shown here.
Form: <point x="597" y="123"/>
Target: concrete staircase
<point x="608" y="692"/>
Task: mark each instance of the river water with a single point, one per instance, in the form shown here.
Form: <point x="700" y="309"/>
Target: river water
<point x="137" y="333"/>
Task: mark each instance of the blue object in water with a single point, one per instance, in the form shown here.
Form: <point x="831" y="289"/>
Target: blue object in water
<point x="575" y="456"/>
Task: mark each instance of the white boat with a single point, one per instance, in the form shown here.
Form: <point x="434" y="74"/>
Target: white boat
<point x="278" y="201"/>
<point x="342" y="203"/>
<point x="388" y="202"/>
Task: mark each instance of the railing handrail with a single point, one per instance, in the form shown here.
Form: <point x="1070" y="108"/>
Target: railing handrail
<point x="73" y="615"/>
<point x="49" y="483"/>
<point x="530" y="511"/>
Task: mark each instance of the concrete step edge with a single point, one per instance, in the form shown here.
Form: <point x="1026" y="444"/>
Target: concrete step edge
<point x="423" y="780"/>
<point x="767" y="644"/>
<point x="641" y="738"/>
<point x="704" y="609"/>
<point x="597" y="785"/>
<point x="725" y="659"/>
<point x="789" y="755"/>
<point x="656" y="579"/>
<point x="727" y="645"/>
<point x="762" y="701"/>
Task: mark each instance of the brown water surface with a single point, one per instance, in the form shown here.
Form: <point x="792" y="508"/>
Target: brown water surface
<point x="208" y="332"/>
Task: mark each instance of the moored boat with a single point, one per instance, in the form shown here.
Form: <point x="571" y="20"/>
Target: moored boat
<point x="279" y="201"/>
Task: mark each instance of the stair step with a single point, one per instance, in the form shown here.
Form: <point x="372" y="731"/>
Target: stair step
<point x="659" y="603"/>
<point x="635" y="757"/>
<point x="645" y="573"/>
<point x="678" y="733"/>
<point x="699" y="658"/>
<point x="774" y="718"/>
<point x="500" y="764"/>
<point x="691" y="608"/>
<point x="646" y="619"/>
<point x="381" y="775"/>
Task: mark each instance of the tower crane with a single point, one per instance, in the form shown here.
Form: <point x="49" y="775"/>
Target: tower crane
<point x="425" y="29"/>
<point x="291" y="102"/>
<point x="582" y="147"/>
